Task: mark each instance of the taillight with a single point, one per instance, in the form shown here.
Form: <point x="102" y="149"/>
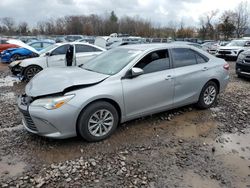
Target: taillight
<point x="226" y="66"/>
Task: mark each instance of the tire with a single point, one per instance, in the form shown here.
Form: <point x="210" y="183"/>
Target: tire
<point x="239" y="76"/>
<point x="208" y="95"/>
<point x="31" y="71"/>
<point x="15" y="57"/>
<point x="92" y="127"/>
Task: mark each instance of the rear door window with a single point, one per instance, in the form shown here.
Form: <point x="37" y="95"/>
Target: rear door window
<point x="183" y="57"/>
<point x="200" y="58"/>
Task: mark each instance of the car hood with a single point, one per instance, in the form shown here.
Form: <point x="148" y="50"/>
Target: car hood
<point x="33" y="60"/>
<point x="230" y="47"/>
<point x="22" y="44"/>
<point x="9" y="49"/>
<point x="58" y="80"/>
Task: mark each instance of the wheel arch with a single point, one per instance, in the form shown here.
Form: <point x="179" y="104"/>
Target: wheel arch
<point x="216" y="81"/>
<point x="32" y="65"/>
<point x="25" y="68"/>
<point x="111" y="101"/>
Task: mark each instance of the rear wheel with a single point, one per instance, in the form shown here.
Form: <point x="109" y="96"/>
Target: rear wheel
<point x="208" y="95"/>
<point x="98" y="121"/>
<point x="31" y="71"/>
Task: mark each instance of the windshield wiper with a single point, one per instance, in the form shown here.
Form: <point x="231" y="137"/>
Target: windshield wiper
<point x="86" y="69"/>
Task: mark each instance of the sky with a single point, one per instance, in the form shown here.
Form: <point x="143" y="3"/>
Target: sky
<point x="159" y="12"/>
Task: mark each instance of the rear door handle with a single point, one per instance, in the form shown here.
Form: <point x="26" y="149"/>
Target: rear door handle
<point x="205" y="69"/>
<point x="169" y="77"/>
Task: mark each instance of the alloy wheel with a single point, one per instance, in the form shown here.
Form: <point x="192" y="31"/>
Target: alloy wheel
<point x="31" y="72"/>
<point x="209" y="95"/>
<point x="100" y="123"/>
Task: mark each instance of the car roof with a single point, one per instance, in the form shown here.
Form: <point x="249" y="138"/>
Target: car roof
<point x="85" y="43"/>
<point x="144" y="47"/>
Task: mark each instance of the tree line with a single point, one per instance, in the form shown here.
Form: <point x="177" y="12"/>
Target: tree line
<point x="231" y="23"/>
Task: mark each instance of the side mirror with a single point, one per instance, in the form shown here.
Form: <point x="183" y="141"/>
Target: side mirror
<point x="48" y="54"/>
<point x="247" y="44"/>
<point x="136" y="71"/>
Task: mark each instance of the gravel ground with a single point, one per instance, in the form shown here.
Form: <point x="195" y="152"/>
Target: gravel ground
<point x="179" y="148"/>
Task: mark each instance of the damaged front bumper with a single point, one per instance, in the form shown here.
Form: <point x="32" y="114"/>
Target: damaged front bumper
<point x="15" y="68"/>
<point x="58" y="123"/>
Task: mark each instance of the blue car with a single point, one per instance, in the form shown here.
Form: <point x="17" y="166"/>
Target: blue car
<point x="13" y="54"/>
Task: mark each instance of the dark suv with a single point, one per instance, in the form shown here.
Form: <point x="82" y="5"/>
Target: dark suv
<point x="243" y="64"/>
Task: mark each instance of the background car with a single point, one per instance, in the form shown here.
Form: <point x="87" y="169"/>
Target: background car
<point x="89" y="39"/>
<point x="72" y="38"/>
<point x="27" y="51"/>
<point x="213" y="48"/>
<point x="55" y="56"/>
<point x="13" y="54"/>
<point x="243" y="64"/>
<point x="27" y="39"/>
<point x="119" y="85"/>
<point x="4" y="45"/>
<point x="208" y="45"/>
<point x="39" y="45"/>
<point x="233" y="49"/>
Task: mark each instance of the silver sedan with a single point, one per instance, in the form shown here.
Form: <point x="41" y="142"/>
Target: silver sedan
<point x="120" y="85"/>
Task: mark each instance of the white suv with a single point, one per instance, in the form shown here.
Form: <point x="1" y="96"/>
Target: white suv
<point x="233" y="49"/>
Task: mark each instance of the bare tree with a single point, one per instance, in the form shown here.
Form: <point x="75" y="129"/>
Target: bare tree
<point x="9" y="23"/>
<point x="241" y="19"/>
<point x="23" y="28"/>
<point x="226" y="27"/>
<point x="207" y="30"/>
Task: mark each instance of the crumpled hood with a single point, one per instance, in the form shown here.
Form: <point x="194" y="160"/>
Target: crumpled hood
<point x="230" y="47"/>
<point x="56" y="80"/>
<point x="22" y="44"/>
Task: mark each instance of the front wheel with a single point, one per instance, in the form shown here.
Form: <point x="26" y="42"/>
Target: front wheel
<point x="31" y="71"/>
<point x="98" y="121"/>
<point x="208" y="95"/>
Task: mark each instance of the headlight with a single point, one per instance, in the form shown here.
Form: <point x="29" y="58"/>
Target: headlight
<point x="241" y="56"/>
<point x="14" y="63"/>
<point x="52" y="103"/>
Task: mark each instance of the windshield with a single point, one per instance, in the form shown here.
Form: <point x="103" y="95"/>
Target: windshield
<point x="237" y="43"/>
<point x="45" y="50"/>
<point x="112" y="61"/>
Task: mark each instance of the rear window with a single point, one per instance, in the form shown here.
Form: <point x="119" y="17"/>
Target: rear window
<point x="85" y="48"/>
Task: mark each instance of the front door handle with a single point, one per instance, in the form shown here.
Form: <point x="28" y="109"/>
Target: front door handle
<point x="205" y="69"/>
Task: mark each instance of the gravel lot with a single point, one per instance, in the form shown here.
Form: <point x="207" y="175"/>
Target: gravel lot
<point x="180" y="148"/>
